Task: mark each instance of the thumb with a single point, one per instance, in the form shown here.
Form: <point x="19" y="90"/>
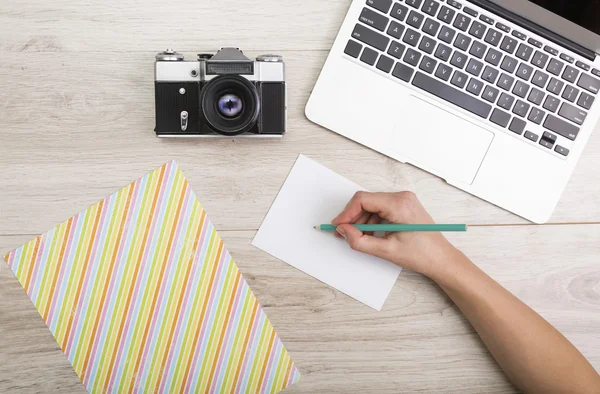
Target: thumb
<point x="363" y="243"/>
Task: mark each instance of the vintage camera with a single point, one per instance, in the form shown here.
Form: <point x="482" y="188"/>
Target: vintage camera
<point x="222" y="95"/>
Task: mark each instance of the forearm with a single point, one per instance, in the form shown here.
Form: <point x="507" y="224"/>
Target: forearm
<point x="534" y="355"/>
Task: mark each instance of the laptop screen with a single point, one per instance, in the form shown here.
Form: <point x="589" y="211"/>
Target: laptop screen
<point x="585" y="13"/>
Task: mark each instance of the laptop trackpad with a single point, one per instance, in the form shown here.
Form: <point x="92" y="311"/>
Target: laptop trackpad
<point x="440" y="142"/>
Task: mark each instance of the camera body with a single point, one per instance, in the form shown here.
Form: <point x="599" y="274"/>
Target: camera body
<point x="225" y="95"/>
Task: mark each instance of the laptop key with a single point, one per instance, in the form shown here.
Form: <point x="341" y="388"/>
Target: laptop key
<point x="462" y="42"/>
<point x="353" y="49"/>
<point x="546" y="144"/>
<point x="524" y="52"/>
<point x="500" y="118"/>
<point x="471" y="12"/>
<point x="446" y="14"/>
<point x="521" y="108"/>
<point x="486" y="19"/>
<point x="531" y="136"/>
<point x="427" y="45"/>
<point x="411" y="37"/>
<point x="477" y="29"/>
<point x="373" y="19"/>
<point x="458" y="60"/>
<point x="536" y="96"/>
<point x="403" y="72"/>
<point x="459" y="79"/>
<point x="555" y="86"/>
<point x="430" y="7"/>
<point x="551" y="103"/>
<point x="561" y="150"/>
<point x="493" y="37"/>
<point x="428" y="64"/>
<point x="567" y="58"/>
<point x="455" y="4"/>
<point x="583" y="66"/>
<point x="493" y="57"/>
<point x="475" y="86"/>
<point x="535" y="42"/>
<point x="478" y="49"/>
<point x="540" y="59"/>
<point x="385" y="64"/>
<point x="462" y="22"/>
<point x="452" y="95"/>
<point x="415" y="19"/>
<point x="506" y="101"/>
<point x="396" y="49"/>
<point x="505" y="82"/>
<point x="551" y="50"/>
<point x="443" y="52"/>
<point x="490" y="74"/>
<point x="536" y="115"/>
<point x="503" y="27"/>
<point x="399" y="11"/>
<point x="570" y="74"/>
<point x="381" y="5"/>
<point x="555" y="67"/>
<point x="412" y="57"/>
<point x="585" y="100"/>
<point x="508" y="44"/>
<point x="570" y="93"/>
<point x="446" y="34"/>
<point x="589" y="83"/>
<point x="572" y="113"/>
<point x="519" y="35"/>
<point x="596" y="72"/>
<point x="540" y="79"/>
<point x="414" y="3"/>
<point x="370" y="37"/>
<point x="474" y="67"/>
<point x="509" y="64"/>
<point x="443" y="72"/>
<point x="517" y="126"/>
<point x="369" y="56"/>
<point x="561" y="127"/>
<point x="431" y="27"/>
<point x="521" y="89"/>
<point x="524" y="72"/>
<point x="395" y="30"/>
<point x="490" y="94"/>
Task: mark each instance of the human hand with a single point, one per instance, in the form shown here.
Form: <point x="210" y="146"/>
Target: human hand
<point x="421" y="252"/>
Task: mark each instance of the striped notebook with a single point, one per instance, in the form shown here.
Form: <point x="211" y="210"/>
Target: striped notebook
<point x="141" y="295"/>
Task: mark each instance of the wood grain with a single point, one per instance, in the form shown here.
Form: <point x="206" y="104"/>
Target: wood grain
<point x="76" y="130"/>
<point x="76" y="124"/>
<point x="419" y="342"/>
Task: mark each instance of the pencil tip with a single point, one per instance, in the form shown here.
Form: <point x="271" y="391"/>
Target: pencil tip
<point x="315" y="227"/>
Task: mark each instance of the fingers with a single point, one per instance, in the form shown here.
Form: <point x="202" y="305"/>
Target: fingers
<point x="364" y="243"/>
<point x="378" y="203"/>
<point x="362" y="218"/>
<point x="374" y="219"/>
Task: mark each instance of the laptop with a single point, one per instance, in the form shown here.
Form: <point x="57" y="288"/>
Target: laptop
<point x="498" y="98"/>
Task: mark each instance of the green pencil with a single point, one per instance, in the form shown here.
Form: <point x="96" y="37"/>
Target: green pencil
<point x="400" y="227"/>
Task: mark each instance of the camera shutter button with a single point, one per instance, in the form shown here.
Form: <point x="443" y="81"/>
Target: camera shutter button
<point x="270" y="58"/>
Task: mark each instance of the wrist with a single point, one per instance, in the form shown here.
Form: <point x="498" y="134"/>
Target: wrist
<point x="445" y="262"/>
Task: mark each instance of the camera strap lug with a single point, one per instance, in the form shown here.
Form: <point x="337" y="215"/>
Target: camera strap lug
<point x="184" y="120"/>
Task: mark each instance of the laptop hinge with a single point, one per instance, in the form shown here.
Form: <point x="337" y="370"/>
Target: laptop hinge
<point x="534" y="27"/>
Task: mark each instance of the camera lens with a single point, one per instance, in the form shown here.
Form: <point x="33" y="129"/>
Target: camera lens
<point x="230" y="104"/>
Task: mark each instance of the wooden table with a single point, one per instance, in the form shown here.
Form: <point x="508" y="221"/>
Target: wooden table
<point x="76" y="124"/>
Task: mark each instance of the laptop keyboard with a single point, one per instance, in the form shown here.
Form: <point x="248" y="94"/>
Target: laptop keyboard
<point x="480" y="65"/>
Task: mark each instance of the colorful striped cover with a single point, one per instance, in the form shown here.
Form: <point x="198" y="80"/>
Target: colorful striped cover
<point x="141" y="295"/>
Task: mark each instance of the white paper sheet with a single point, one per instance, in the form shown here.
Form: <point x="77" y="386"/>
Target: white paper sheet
<point x="311" y="195"/>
